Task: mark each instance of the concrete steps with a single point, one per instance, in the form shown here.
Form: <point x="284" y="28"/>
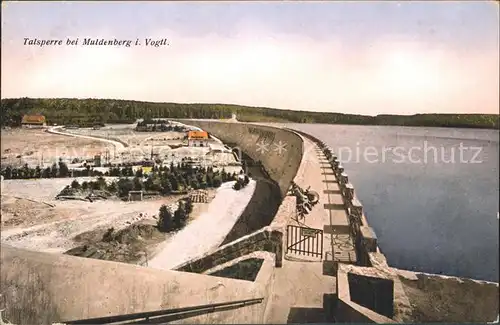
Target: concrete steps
<point x="300" y="293"/>
<point x="302" y="258"/>
<point x="300" y="315"/>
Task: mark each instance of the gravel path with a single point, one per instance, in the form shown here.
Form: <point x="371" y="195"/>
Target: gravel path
<point x="57" y="130"/>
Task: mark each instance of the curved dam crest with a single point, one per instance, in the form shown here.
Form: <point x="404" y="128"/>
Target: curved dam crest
<point x="279" y="150"/>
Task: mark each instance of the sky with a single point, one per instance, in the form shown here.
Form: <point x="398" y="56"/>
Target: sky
<point x="351" y="57"/>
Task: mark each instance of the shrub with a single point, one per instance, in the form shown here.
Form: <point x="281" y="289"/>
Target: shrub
<point x="216" y="182"/>
<point x="75" y="184"/>
<point x="194" y="184"/>
<point x="124" y="186"/>
<point x="101" y="182"/>
<point x="108" y="236"/>
<point x="112" y="187"/>
<point x="94" y="186"/>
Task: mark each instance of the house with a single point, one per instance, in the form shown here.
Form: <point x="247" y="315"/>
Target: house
<point x="197" y="139"/>
<point x="33" y="121"/>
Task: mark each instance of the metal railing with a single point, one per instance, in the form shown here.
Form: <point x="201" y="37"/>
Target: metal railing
<point x="201" y="309"/>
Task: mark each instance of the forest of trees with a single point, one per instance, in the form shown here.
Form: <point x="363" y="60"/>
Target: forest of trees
<point x="59" y="170"/>
<point x="158" y="126"/>
<point x="86" y="112"/>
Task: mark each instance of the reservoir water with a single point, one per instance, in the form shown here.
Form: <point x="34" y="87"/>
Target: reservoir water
<point x="431" y="194"/>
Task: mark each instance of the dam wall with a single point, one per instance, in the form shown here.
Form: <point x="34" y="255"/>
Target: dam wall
<point x="278" y="151"/>
<point x="258" y="213"/>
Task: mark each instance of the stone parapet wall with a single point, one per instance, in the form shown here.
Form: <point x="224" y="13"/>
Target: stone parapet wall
<point x="44" y="288"/>
<point x="267" y="239"/>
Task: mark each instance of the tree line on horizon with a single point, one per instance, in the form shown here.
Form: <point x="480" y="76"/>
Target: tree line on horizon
<point x="86" y="112"/>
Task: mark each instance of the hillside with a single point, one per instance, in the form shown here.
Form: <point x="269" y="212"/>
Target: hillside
<point x="89" y="111"/>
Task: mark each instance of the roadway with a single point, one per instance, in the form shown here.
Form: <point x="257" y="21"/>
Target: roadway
<point x="304" y="285"/>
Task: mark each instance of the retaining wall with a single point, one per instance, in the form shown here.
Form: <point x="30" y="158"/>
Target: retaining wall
<point x="45" y="288"/>
<point x="267" y="239"/>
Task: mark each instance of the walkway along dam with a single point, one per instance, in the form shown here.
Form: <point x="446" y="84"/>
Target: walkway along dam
<point x="326" y="267"/>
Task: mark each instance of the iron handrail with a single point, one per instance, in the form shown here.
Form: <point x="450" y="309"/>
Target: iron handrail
<point x="164" y="312"/>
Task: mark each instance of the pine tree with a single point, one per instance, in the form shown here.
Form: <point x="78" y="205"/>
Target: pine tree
<point x="7" y="172"/>
<point x="63" y="169"/>
<point x="189" y="206"/>
<point x="53" y="171"/>
<point x="180" y="216"/>
<point x="112" y="188"/>
<point x="165" y="219"/>
<point x="137" y="184"/>
<point x="166" y="186"/>
<point x="46" y="173"/>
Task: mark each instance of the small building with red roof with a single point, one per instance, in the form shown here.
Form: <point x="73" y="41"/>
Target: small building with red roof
<point x="33" y="121"/>
<point x="198" y="139"/>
